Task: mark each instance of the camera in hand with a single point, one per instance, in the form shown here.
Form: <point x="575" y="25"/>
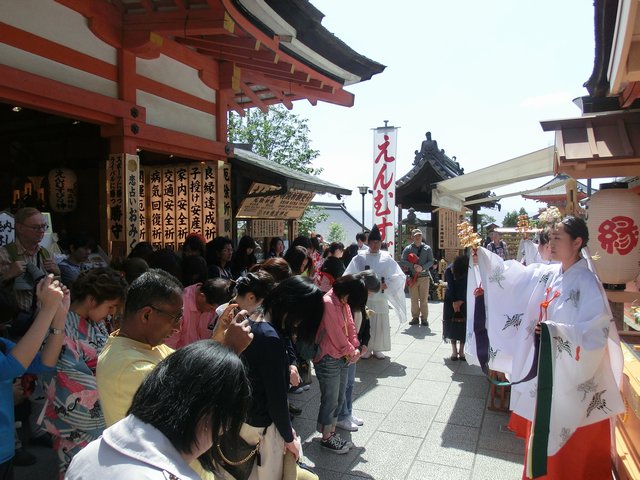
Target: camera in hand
<point x="30" y="278"/>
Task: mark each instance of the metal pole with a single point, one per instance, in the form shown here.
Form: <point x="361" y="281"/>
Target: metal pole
<point x="363" y="212"/>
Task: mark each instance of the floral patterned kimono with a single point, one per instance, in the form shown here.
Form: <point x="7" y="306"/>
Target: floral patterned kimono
<point x="574" y="389"/>
<point x="72" y="413"/>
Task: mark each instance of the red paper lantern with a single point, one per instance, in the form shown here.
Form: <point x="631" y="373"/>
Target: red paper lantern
<point x="614" y="227"/>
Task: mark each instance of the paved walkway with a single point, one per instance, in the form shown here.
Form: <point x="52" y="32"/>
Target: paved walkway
<point x="425" y="418"/>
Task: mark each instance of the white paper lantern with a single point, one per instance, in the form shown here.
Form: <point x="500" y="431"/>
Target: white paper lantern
<point x="63" y="190"/>
<point x="614" y="223"/>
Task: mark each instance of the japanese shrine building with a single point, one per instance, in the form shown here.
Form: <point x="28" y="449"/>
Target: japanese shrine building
<point x="131" y="98"/>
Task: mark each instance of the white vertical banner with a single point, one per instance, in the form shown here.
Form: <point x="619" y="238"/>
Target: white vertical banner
<point x="132" y="201"/>
<point x="384" y="183"/>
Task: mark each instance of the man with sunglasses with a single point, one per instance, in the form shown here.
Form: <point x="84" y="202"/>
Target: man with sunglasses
<point x="152" y="313"/>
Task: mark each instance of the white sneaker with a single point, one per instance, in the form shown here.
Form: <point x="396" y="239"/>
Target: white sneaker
<point x="347" y="425"/>
<point x="358" y="421"/>
<point x="379" y="355"/>
<point x="366" y="355"/>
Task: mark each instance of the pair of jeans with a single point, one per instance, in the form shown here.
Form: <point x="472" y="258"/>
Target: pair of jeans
<point x="332" y="378"/>
<point x="344" y="413"/>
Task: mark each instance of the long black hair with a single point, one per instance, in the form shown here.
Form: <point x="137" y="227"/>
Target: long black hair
<point x="355" y="288"/>
<point x="576" y="227"/>
<point x="296" y="308"/>
<point x="460" y="266"/>
<point x="259" y="283"/>
<point x="201" y="381"/>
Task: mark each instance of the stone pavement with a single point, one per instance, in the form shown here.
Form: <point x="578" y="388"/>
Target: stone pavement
<point x="425" y="418"/>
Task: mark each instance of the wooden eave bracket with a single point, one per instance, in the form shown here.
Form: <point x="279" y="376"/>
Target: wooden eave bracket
<point x="144" y="44"/>
<point x="214" y="21"/>
<point x="257" y="102"/>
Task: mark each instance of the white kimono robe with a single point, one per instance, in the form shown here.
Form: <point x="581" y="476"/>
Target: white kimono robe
<point x="584" y="339"/>
<point x="383" y="265"/>
<point x="528" y="253"/>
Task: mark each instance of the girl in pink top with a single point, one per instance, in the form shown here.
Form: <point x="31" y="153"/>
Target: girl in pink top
<point x="339" y="347"/>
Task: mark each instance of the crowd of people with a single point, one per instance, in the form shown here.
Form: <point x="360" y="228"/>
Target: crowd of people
<point x="193" y="352"/>
<point x="168" y="365"/>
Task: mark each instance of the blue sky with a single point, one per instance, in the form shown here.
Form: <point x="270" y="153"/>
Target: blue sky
<point x="479" y="75"/>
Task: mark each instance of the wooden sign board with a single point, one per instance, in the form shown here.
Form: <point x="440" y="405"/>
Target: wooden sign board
<point x="289" y="206"/>
<point x="448" y="221"/>
<point x="267" y="228"/>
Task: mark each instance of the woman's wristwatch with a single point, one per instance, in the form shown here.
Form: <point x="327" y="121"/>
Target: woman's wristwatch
<point x="56" y="331"/>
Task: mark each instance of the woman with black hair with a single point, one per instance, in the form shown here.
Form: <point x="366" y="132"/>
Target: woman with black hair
<point x="455" y="306"/>
<point x="73" y="414"/>
<point x="243" y="258"/>
<point x="550" y="327"/>
<point x="194" y="244"/>
<point x="315" y="251"/>
<point x="276" y="248"/>
<point x="346" y="419"/>
<point x="219" y="252"/>
<point x="299" y="260"/>
<point x="250" y="292"/>
<point x="178" y="415"/>
<point x="339" y="347"/>
<point x="349" y="252"/>
<point x="293" y="308"/>
<point x="333" y="260"/>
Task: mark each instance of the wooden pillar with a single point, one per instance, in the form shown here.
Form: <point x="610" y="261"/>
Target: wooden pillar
<point x="122" y="174"/>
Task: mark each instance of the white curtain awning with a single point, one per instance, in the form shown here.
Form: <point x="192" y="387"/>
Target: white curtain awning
<point x="452" y="193"/>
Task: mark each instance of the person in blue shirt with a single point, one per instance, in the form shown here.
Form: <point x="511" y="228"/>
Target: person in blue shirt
<point x="25" y="356"/>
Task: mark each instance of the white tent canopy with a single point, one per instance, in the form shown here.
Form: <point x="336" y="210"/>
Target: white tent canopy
<point x="452" y="193"/>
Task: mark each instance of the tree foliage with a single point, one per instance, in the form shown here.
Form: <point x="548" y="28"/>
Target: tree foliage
<point x="313" y="215"/>
<point x="279" y="135"/>
<point x="336" y="232"/>
<point x="511" y="218"/>
<point x="282" y="137"/>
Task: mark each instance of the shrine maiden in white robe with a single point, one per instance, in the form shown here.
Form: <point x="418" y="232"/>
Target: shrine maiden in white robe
<point x="383" y="265"/>
<point x="528" y="253"/>
<point x="586" y="360"/>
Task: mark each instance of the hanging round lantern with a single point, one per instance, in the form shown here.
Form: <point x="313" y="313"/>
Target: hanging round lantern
<point x="63" y="190"/>
<point x="614" y="224"/>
